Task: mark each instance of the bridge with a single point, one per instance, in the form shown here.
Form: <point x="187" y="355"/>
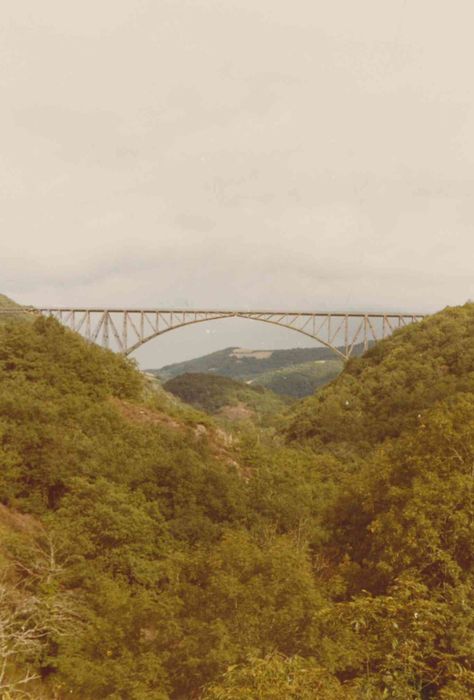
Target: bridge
<point x="125" y="330"/>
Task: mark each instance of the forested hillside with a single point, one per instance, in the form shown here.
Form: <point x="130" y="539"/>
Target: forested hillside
<point x="149" y="555"/>
<point x="296" y="372"/>
<point x="226" y="398"/>
<point x="239" y="363"/>
<point x="10" y="310"/>
<point x="300" y="380"/>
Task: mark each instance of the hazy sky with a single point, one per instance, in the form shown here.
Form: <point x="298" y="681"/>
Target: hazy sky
<point x="239" y="153"/>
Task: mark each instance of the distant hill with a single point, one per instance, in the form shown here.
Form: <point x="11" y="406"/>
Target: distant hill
<point x="240" y="363"/>
<point x="295" y="372"/>
<point x="14" y="310"/>
<point x="225" y="397"/>
<point x="300" y="380"/>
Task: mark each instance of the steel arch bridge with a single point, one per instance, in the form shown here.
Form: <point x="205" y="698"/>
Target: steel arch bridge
<point x="125" y="330"/>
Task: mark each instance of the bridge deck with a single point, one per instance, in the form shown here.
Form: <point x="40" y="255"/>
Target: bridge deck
<point x="127" y="329"/>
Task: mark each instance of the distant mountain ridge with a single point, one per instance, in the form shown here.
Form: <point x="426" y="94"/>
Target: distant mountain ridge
<point x="239" y="363"/>
<point x="293" y="372"/>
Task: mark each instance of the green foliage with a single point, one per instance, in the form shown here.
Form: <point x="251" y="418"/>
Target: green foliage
<point x="275" y="677"/>
<point x="302" y="379"/>
<point x="10" y="311"/>
<point x="35" y="610"/>
<point x="215" y="394"/>
<point x="382" y="393"/>
<point x="408" y="643"/>
<point x="333" y="561"/>
<point x="244" y="364"/>
<point x="401" y="516"/>
<point x="245" y="594"/>
<point x="295" y="373"/>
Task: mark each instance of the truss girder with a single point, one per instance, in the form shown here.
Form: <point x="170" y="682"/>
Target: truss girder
<point x="125" y="330"/>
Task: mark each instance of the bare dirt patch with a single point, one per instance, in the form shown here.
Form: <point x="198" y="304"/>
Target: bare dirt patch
<point x="141" y="414"/>
<point x="237" y="412"/>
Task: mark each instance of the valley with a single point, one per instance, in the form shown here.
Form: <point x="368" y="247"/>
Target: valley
<point x="292" y="373"/>
<point x="157" y="549"/>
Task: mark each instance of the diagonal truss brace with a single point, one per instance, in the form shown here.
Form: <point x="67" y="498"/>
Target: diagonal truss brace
<point x="125" y="330"/>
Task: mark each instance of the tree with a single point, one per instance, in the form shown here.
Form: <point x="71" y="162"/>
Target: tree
<point x="275" y="677"/>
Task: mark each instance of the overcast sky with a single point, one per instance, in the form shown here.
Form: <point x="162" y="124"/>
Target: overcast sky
<point x="239" y="153"/>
